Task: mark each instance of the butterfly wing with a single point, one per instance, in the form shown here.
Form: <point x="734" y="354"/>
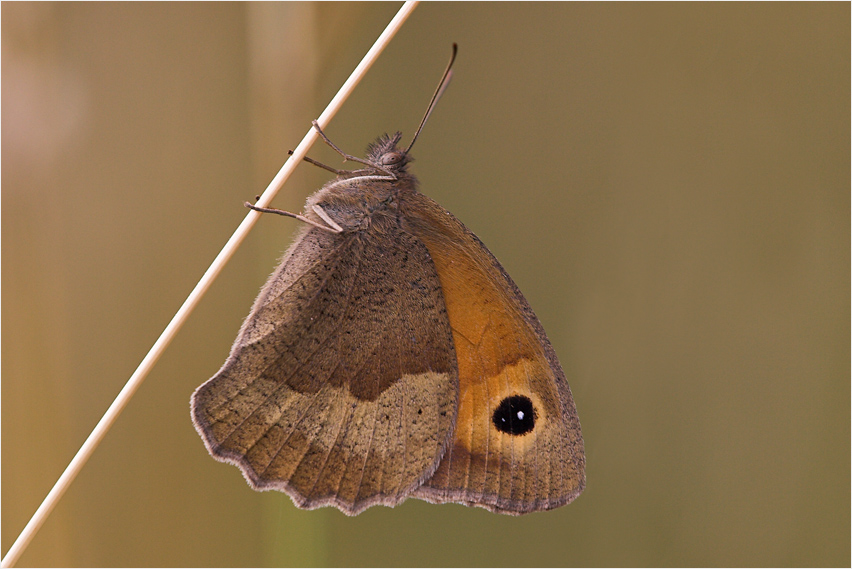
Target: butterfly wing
<point x="341" y="387"/>
<point x="517" y="446"/>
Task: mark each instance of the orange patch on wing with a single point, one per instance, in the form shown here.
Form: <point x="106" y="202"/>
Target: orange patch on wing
<point x="488" y="332"/>
<point x="498" y="355"/>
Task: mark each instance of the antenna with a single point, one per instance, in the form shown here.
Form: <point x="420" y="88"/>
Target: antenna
<point x="442" y="86"/>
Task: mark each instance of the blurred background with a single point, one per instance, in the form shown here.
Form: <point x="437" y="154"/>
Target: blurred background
<point x="669" y="184"/>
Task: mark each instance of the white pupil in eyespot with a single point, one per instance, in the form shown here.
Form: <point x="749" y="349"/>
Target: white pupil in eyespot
<point x="520" y="415"/>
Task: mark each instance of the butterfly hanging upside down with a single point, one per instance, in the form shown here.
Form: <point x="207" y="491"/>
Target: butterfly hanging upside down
<point x="390" y="356"/>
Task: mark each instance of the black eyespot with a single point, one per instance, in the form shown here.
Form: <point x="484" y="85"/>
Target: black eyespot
<point x="515" y="415"/>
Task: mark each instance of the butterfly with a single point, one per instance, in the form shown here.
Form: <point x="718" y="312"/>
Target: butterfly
<point x="390" y="356"/>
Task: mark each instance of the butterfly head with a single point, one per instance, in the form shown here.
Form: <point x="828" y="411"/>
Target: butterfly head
<point x="385" y="153"/>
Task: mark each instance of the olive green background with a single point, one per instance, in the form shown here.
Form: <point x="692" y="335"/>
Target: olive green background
<point x="669" y="184"/>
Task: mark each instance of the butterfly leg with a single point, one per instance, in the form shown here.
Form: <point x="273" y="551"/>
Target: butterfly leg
<point x="331" y="226"/>
<point x="321" y="165"/>
<point x="326" y="218"/>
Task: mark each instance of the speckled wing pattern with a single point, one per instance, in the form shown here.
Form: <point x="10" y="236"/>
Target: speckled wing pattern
<point x="342" y="386"/>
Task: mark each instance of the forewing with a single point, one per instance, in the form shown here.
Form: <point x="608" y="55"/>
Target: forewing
<point x="517" y="445"/>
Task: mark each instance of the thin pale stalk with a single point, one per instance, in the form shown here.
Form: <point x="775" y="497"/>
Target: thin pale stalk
<point x="197" y="293"/>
